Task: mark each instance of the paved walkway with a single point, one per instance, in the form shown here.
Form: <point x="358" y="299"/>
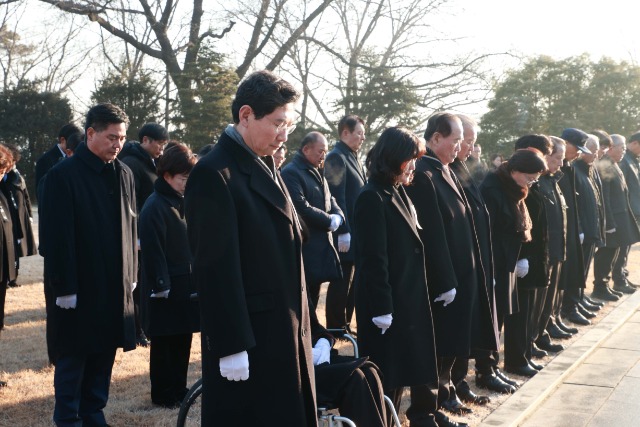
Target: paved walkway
<point x="594" y="382"/>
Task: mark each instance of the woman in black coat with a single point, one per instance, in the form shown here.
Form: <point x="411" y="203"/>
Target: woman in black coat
<point x="392" y="301"/>
<point x="504" y="192"/>
<point x="169" y="311"/>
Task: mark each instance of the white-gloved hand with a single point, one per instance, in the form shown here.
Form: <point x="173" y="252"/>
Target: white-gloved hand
<point x="344" y="242"/>
<point x="161" y="294"/>
<point x="67" y="301"/>
<point x="447" y="297"/>
<point x="613" y="230"/>
<point x="321" y="352"/>
<point x="235" y="367"/>
<point x="134" y="285"/>
<point x="522" y="267"/>
<point x="336" y="221"/>
<point x="383" y="322"/>
<point x="581" y="235"/>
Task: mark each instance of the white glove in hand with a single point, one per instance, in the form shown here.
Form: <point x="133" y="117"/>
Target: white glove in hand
<point x="344" y="242"/>
<point x="162" y="294"/>
<point x="383" y="322"/>
<point x="522" y="267"/>
<point x="581" y="235"/>
<point x="336" y="220"/>
<point x="613" y="230"/>
<point x="134" y="285"/>
<point x="67" y="301"/>
<point x="235" y="367"/>
<point x="321" y="352"/>
<point x="447" y="297"/>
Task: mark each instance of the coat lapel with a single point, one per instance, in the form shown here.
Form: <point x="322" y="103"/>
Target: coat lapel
<point x="403" y="208"/>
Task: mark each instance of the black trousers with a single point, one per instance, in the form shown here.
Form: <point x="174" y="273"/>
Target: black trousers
<point x="588" y="251"/>
<point x="603" y="262"/>
<point x="517" y="331"/>
<point x="362" y="398"/>
<point x="168" y="368"/>
<point x="81" y="383"/>
<point x="341" y="298"/>
<point x="3" y="299"/>
<point x="620" y="265"/>
<point x="550" y="295"/>
<point x="424" y="404"/>
<point x="49" y="305"/>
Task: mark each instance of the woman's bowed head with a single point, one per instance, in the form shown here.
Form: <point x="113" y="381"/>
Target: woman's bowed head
<point x="392" y="159"/>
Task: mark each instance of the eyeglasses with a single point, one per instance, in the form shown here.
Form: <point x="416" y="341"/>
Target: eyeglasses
<point x="284" y="127"/>
<point x="531" y="181"/>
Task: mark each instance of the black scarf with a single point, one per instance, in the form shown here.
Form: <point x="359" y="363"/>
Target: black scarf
<point x="516" y="195"/>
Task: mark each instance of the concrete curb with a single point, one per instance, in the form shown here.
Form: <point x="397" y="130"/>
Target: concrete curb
<point x="521" y="405"/>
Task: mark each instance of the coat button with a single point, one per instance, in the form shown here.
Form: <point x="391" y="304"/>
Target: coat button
<point x="304" y="332"/>
<point x="161" y="282"/>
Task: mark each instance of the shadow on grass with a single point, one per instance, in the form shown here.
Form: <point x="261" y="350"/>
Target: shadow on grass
<point x="15" y="318"/>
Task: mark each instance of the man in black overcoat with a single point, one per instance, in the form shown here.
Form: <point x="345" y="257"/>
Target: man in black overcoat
<point x="91" y="259"/>
<point x="318" y="209"/>
<point x="55" y="153"/>
<point x="346" y="177"/>
<point x="246" y="242"/>
<point x="461" y="308"/>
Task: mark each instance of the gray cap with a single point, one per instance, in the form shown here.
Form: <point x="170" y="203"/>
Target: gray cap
<point x="577" y="138"/>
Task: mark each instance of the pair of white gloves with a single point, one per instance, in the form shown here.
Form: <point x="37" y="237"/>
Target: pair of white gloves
<point x="236" y="366"/>
<point x="344" y="240"/>
<point x="522" y="267"/>
<point x="71" y="301"/>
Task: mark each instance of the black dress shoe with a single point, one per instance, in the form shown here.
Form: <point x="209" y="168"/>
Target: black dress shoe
<point x="565" y="327"/>
<point x="443" y="421"/>
<point x="467" y="396"/>
<point x="593" y="302"/>
<point x="604" y="293"/>
<point x="624" y="288"/>
<point x="537" y="352"/>
<point x="142" y="341"/>
<point x="577" y="318"/>
<point x="633" y="285"/>
<point x="505" y="379"/>
<point x="591" y="307"/>
<point x="493" y="383"/>
<point x="3" y="383"/>
<point x="536" y="366"/>
<point x="585" y="313"/>
<point x="456" y="407"/>
<point x="556" y="333"/>
<point x="525" y="371"/>
<point x="547" y="345"/>
<point x="616" y="292"/>
<point x="13" y="284"/>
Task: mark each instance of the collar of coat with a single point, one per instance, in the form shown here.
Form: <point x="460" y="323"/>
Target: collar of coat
<point x="175" y="199"/>
<point x="94" y="162"/>
<point x="135" y="149"/>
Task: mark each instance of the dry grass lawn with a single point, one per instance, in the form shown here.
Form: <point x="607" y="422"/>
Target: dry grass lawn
<point x="28" y="400"/>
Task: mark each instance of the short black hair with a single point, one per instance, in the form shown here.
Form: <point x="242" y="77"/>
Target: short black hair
<point x="441" y="123"/>
<point x="153" y="131"/>
<point x="67" y="130"/>
<point x="395" y="146"/>
<point x="310" y="138"/>
<point x="527" y="160"/>
<point x="634" y="137"/>
<point x="603" y="137"/>
<point x="176" y="160"/>
<point x="206" y="149"/>
<point x="540" y="142"/>
<point x="263" y="91"/>
<point x="101" y="116"/>
<point x="350" y="122"/>
<point x="74" y="140"/>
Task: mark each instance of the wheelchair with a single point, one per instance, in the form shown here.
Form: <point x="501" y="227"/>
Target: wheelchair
<point x="189" y="413"/>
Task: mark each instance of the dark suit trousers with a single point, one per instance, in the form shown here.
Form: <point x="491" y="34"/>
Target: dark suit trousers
<point x="81" y="385"/>
<point x="341" y="298"/>
<point x="548" y="299"/>
<point x="620" y="265"/>
<point x="3" y="298"/>
<point x="362" y="399"/>
<point x="588" y="250"/>
<point x="603" y="262"/>
<point x="168" y="368"/>
<point x="517" y="331"/>
<point x="424" y="404"/>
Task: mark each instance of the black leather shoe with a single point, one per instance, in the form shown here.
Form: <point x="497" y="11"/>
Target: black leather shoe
<point x="585" y="313"/>
<point x="525" y="371"/>
<point x="633" y="285"/>
<point x="536" y="366"/>
<point x="577" y="318"/>
<point x="537" y="352"/>
<point x="624" y="288"/>
<point x="592" y="302"/>
<point x="616" y="293"/>
<point x="443" y="421"/>
<point x="142" y="341"/>
<point x="604" y="293"/>
<point x="556" y="333"/>
<point x="591" y="307"/>
<point x="564" y="327"/>
<point x="505" y="379"/>
<point x="467" y="396"/>
<point x="3" y="383"/>
<point x="13" y="284"/>
<point x="456" y="407"/>
<point x="493" y="383"/>
<point x="547" y="345"/>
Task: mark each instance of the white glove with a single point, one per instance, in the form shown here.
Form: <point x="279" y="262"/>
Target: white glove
<point x="613" y="230"/>
<point x="447" y="297"/>
<point x="19" y="241"/>
<point x="581" y="238"/>
<point x="344" y="242"/>
<point x="383" y="322"/>
<point x="522" y="267"/>
<point x="321" y="352"/>
<point x="67" y="301"/>
<point x="235" y="367"/>
<point x="134" y="285"/>
<point x="162" y="294"/>
<point x="336" y="220"/>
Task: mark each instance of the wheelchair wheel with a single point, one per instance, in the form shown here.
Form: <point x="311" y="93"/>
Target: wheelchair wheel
<point x="189" y="414"/>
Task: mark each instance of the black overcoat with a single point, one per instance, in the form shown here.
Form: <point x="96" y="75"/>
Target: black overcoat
<point x="7" y="250"/>
<point x="452" y="257"/>
<point x="591" y="209"/>
<point x="166" y="264"/>
<point x="631" y="170"/>
<point x="48" y="160"/>
<point x="506" y="243"/>
<point x="313" y="202"/>
<point x="572" y="274"/>
<point x="143" y="168"/>
<point x="345" y="177"/>
<point x="15" y="190"/>
<point x="90" y="250"/>
<point x="246" y="243"/>
<point x="536" y="251"/>
<point x="556" y="216"/>
<point x="617" y="209"/>
<point x="390" y="278"/>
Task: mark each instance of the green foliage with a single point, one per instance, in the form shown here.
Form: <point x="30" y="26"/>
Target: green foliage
<point x="205" y="109"/>
<point x="138" y="96"/>
<point x="546" y="96"/>
<point x="31" y="119"/>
